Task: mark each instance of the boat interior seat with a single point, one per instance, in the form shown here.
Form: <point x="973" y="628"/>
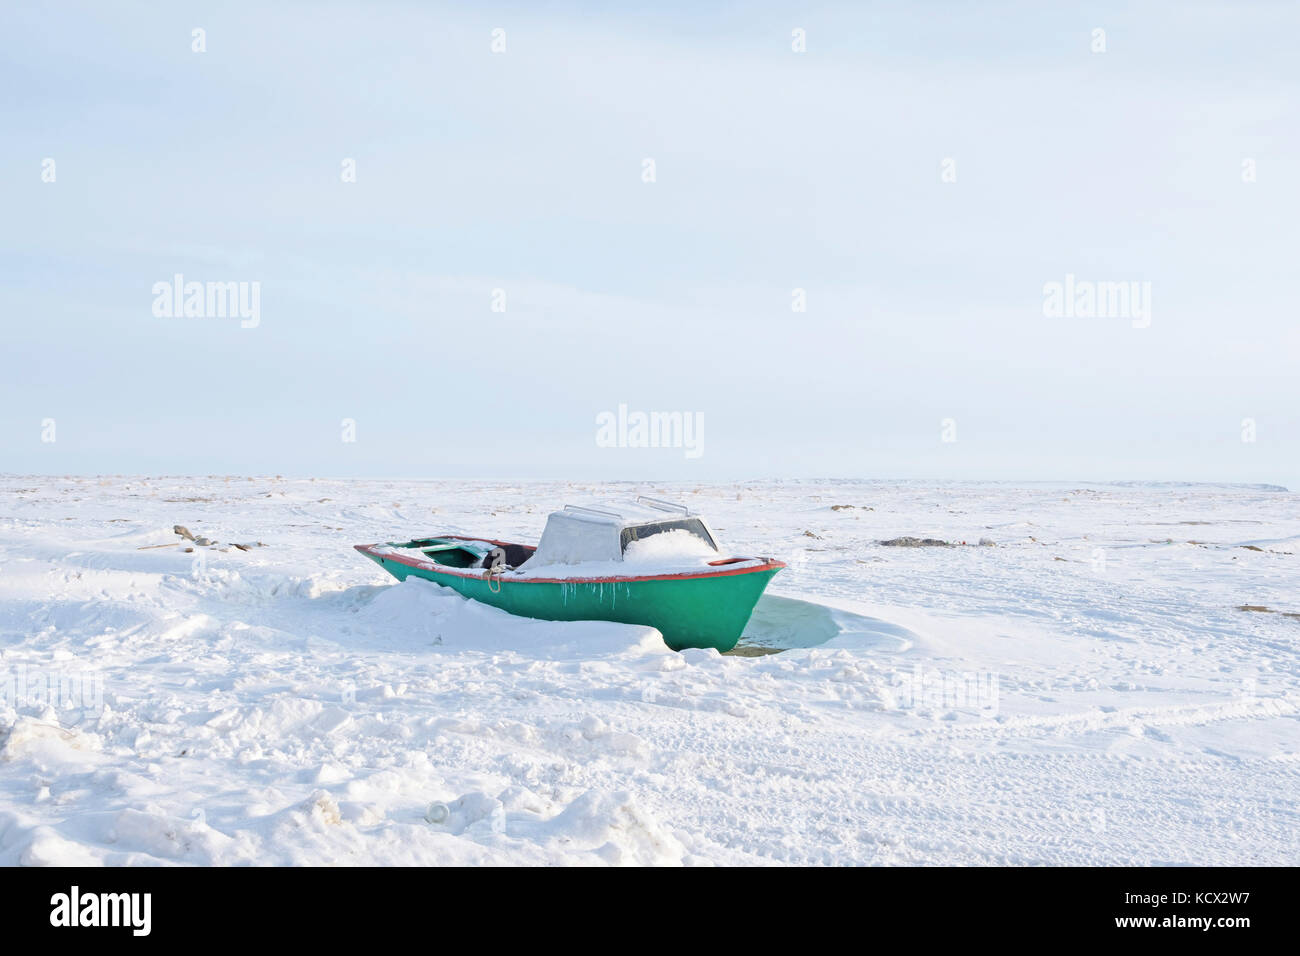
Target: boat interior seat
<point x="457" y="555"/>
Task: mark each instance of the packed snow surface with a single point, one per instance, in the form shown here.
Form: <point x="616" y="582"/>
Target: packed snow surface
<point x="1114" y="681"/>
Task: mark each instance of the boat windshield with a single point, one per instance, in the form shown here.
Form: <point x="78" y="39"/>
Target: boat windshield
<point x="692" y="526"/>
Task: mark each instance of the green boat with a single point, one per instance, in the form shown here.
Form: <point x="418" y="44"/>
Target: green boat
<point x="650" y="562"/>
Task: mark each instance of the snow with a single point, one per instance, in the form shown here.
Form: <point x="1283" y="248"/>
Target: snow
<point x="1085" y="691"/>
<point x="669" y="552"/>
<point x="666" y="548"/>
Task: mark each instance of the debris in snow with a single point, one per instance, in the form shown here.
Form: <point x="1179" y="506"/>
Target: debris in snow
<point x="1260" y="608"/>
<point x="907" y="541"/>
<point x="203" y="542"/>
<point x="323" y="807"/>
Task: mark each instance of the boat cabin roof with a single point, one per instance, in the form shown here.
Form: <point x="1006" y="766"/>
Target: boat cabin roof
<point x="624" y="513"/>
<point x="602" y="531"/>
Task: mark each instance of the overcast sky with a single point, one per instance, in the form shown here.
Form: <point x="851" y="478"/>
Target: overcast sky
<point x="774" y="170"/>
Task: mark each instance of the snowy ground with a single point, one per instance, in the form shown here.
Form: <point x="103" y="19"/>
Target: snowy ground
<point x="1084" y="691"/>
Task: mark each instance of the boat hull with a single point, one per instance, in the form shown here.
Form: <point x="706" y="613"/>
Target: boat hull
<point x="708" y="609"/>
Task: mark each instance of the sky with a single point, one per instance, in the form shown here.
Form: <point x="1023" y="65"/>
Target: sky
<point x="462" y="261"/>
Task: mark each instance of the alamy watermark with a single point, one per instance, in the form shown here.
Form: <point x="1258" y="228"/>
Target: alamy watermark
<point x="929" y="689"/>
<point x="624" y="429"/>
<point x="128" y="910"/>
<point x="1085" y="299"/>
<point x="75" y="696"/>
<point x="208" y="300"/>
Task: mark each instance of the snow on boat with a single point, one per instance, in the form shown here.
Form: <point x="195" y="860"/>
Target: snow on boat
<point x="650" y="562"/>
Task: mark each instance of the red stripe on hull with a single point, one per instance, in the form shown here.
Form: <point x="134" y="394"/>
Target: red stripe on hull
<point x="765" y="564"/>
